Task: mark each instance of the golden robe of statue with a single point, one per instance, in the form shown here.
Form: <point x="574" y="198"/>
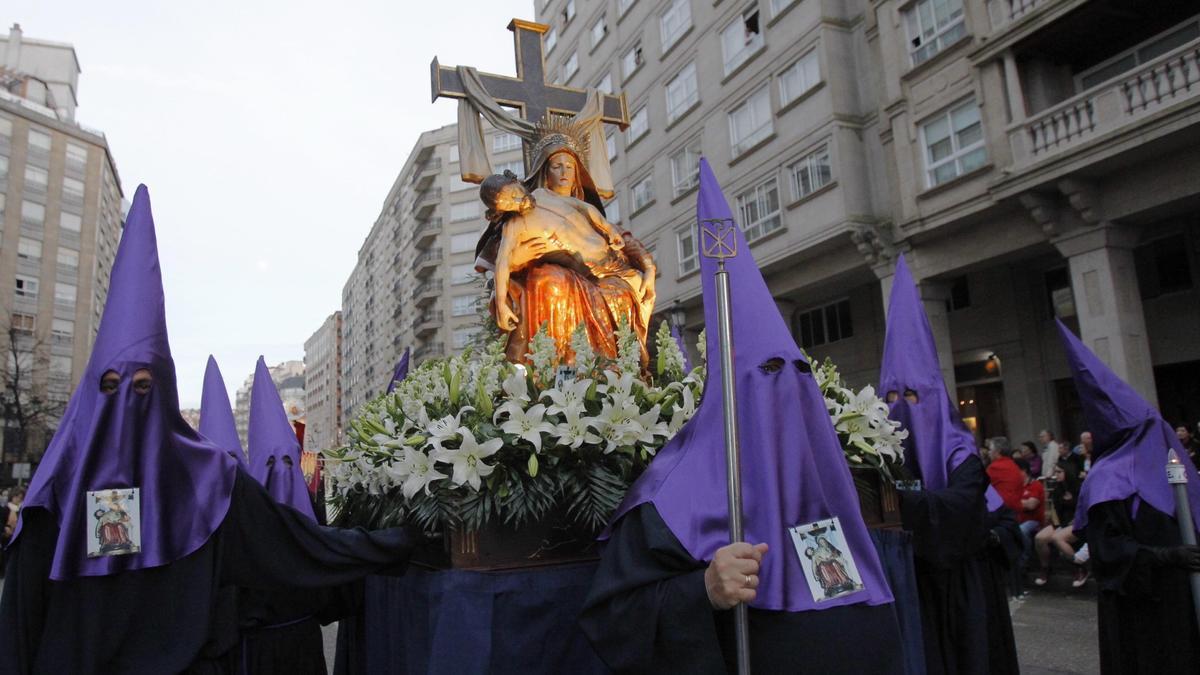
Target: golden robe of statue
<point x="558" y="262"/>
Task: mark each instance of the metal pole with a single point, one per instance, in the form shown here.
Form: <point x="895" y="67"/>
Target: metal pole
<point x="732" y="451"/>
<point x="1177" y="476"/>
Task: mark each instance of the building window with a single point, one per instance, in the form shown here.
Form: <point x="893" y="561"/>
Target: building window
<point x="462" y="337"/>
<point x="685" y="168"/>
<point x="1059" y="293"/>
<point x="799" y="78"/>
<point x="3" y="166"/>
<point x="39" y="141"/>
<point x="60" y="365"/>
<point x="76" y="157"/>
<point x="62" y="329"/>
<point x="599" y="31"/>
<point x="824" y="325"/>
<point x="5" y="127"/>
<point x="624" y="5"/>
<point x="460" y="243"/>
<point x="675" y="22"/>
<point x="463" y="305"/>
<point x="503" y="142"/>
<point x="741" y="39"/>
<point x="632" y="61"/>
<point x="68" y="257"/>
<point x="27" y="287"/>
<point x="953" y="144"/>
<point x="454" y="153"/>
<point x="1162" y="266"/>
<point x="685" y="240"/>
<point x="36" y="178"/>
<point x="932" y="26"/>
<point x="64" y="294"/>
<point x="457" y="184"/>
<point x="33" y="213"/>
<point x="639" y="124"/>
<point x="750" y="123"/>
<point x="29" y="249"/>
<point x="24" y="323"/>
<point x="570" y="67"/>
<point x="643" y="193"/>
<point x="758" y="209"/>
<point x="605" y="84"/>
<point x="462" y="274"/>
<point x="811" y="173"/>
<point x="960" y="295"/>
<point x="777" y="6"/>
<point x="610" y="144"/>
<point x="568" y="13"/>
<point x="72" y="189"/>
<point x="71" y="222"/>
<point x="463" y="211"/>
<point x="551" y="39"/>
<point x="1137" y="55"/>
<point x="517" y="167"/>
<point x="612" y="211"/>
<point x="682" y="92"/>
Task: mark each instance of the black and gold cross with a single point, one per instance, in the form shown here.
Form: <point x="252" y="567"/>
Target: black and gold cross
<point x="528" y="91"/>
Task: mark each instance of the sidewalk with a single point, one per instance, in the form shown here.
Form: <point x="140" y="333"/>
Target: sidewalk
<point x="1055" y="629"/>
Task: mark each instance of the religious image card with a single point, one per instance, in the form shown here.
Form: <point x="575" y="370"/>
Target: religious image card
<point x="116" y="522"/>
<point x="826" y="559"/>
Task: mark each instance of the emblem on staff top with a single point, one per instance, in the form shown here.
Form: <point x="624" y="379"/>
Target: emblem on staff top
<point x="718" y="238"/>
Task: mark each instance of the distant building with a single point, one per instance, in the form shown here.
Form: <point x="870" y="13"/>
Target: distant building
<point x="192" y="417"/>
<point x="61" y="213"/>
<point x="323" y="385"/>
<point x="289" y="380"/>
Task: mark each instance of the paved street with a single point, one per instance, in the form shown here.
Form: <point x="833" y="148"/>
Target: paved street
<point x="1055" y="629"/>
<point x="330" y="634"/>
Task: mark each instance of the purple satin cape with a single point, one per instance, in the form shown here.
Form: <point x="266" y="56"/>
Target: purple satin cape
<point x="937" y="440"/>
<point x="216" y="415"/>
<point x="793" y="469"/>
<point x="274" y="448"/>
<point x="124" y="439"/>
<point x="400" y="372"/>
<point x="1129" y="436"/>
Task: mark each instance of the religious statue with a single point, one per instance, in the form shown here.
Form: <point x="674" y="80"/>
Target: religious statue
<point x="558" y="263"/>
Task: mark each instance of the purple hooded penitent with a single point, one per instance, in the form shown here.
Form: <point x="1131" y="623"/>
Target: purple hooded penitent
<point x="400" y="372"/>
<point x="677" y="334"/>
<point x="937" y="440"/>
<point x="1130" y="439"/>
<point x="126" y="439"/>
<point x="273" y="446"/>
<point x="216" y="415"/>
<point x="793" y="469"/>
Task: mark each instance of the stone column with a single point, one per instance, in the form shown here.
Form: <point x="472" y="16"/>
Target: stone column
<point x="933" y="296"/>
<point x="1012" y="84"/>
<point x="1108" y="302"/>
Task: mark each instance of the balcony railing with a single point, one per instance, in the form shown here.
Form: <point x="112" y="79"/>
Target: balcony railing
<point x="428" y="166"/>
<point x="427" y="259"/>
<point x="1124" y="100"/>
<point x="431" y="349"/>
<point x="427" y="321"/>
<point x="426" y="230"/>
<point x="428" y="289"/>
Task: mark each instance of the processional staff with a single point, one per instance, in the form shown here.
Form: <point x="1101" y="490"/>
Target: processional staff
<point x="719" y="241"/>
<point x="1177" y="476"/>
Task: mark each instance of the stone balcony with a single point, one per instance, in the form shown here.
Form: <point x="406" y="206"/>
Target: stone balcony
<point x="1171" y="80"/>
<point x="427" y="321"/>
<point x="429" y="350"/>
<point x="426" y="231"/>
<point x="427" y="262"/>
<point x="427" y="291"/>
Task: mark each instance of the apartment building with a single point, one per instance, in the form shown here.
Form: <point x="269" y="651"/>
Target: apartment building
<point x="1033" y="160"/>
<point x="323" y="385"/>
<point x="289" y="380"/>
<point x="61" y="214"/>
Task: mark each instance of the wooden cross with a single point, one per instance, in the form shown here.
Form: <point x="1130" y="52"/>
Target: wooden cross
<point x="528" y="91"/>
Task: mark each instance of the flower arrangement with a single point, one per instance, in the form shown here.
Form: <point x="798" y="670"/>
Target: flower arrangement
<point x="869" y="439"/>
<point x="472" y="439"/>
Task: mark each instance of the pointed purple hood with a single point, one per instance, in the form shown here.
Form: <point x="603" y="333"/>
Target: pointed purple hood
<point x="1130" y="439"/>
<point x="400" y="372"/>
<point x="793" y="469"/>
<point x="216" y="415"/>
<point x="125" y="439"/>
<point x="274" y="448"/>
<point x="937" y="442"/>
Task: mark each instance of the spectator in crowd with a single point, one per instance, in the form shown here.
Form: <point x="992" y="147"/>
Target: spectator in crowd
<point x="1084" y="447"/>
<point x="1032" y="515"/>
<point x="1003" y="473"/>
<point x="1049" y="453"/>
<point x="14" y="508"/>
<point x="1058" y="532"/>
<point x="1029" y="452"/>
<point x="1189" y="441"/>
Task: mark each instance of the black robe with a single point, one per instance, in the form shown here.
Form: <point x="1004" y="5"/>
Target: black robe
<point x="648" y="612"/>
<point x="948" y="532"/>
<point x="1146" y="620"/>
<point x="998" y="557"/>
<point x="181" y="617"/>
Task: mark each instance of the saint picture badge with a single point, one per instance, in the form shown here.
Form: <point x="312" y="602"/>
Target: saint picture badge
<point x="116" y="522"/>
<point x="825" y="557"/>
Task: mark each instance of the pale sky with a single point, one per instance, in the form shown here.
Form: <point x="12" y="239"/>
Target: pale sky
<point x="269" y="133"/>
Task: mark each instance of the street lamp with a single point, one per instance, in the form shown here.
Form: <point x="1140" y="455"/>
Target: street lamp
<point x="678" y="315"/>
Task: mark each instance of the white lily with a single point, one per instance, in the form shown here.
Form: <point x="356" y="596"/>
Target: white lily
<point x="421" y="474"/>
<point x="647" y="426"/>
<point x="516" y="386"/>
<point x="446" y="427"/>
<point x="576" y="430"/>
<point x="684" y="409"/>
<point x="527" y="424"/>
<point x="467" y="458"/>
<point x="569" y="397"/>
<point x="618" y="425"/>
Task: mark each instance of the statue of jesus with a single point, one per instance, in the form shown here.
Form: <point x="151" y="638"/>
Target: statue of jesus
<point x="558" y="262"/>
